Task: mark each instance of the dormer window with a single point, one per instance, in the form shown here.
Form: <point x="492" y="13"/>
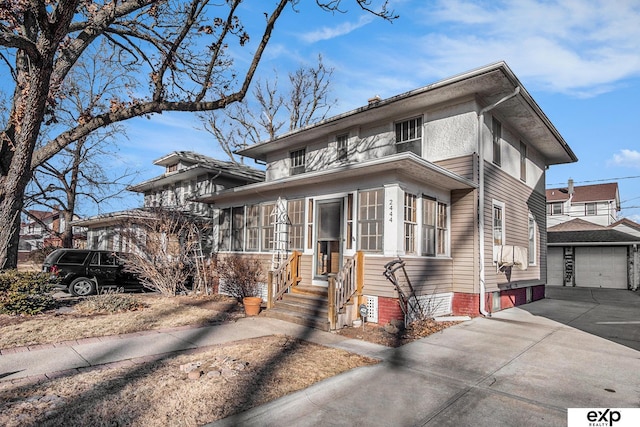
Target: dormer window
<point x="298" y="162"/>
<point x="172" y="168"/>
<point x="409" y="136"/>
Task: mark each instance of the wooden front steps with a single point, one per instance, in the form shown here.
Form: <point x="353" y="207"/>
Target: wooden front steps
<point x="304" y="305"/>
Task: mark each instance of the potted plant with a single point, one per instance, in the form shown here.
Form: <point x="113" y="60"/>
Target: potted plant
<point x="240" y="277"/>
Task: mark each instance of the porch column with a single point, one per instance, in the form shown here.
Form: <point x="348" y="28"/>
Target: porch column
<point x="393" y="220"/>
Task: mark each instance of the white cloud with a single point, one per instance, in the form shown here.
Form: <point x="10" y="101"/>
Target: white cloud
<point x="327" y="33"/>
<point x="578" y="47"/>
<point x="626" y="158"/>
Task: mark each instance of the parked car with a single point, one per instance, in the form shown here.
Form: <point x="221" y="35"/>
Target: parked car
<point x="84" y="272"/>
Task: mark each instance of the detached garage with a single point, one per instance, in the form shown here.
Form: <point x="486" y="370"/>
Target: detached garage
<point x="598" y="258"/>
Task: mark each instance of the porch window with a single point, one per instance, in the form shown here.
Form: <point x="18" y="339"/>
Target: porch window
<point x="253" y="228"/>
<point x="409" y="136"/>
<point x="441" y="229"/>
<point x="267" y="226"/>
<point x="370" y="220"/>
<point x="237" y="229"/>
<point x="295" y="211"/>
<point x="342" y="147"/>
<point x="224" y="229"/>
<point x="434" y="227"/>
<point x="298" y="162"/>
<point x="496" y="130"/>
<point x="410" y="223"/>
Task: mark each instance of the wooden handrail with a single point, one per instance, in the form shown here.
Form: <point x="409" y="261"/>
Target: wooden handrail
<point x="284" y="277"/>
<point x="342" y="287"/>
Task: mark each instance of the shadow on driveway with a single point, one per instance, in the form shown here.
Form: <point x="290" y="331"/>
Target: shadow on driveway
<point x="613" y="314"/>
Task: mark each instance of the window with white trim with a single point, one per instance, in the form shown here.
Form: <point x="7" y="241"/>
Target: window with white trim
<point x="295" y="211"/>
<point x="237" y="229"/>
<point x="266" y="226"/>
<point x="434" y="227"/>
<point x="370" y="220"/>
<point x="498" y="224"/>
<point x="409" y="136"/>
<point x="342" y="147"/>
<point x="410" y="222"/>
<point x="590" y="209"/>
<point x="298" y="162"/>
<point x="224" y="229"/>
<point x="532" y="240"/>
<point x="554" y="208"/>
<point x="253" y="227"/>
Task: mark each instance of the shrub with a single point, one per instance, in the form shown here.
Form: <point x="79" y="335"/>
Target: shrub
<point x="240" y="276"/>
<point x="108" y="303"/>
<point x="25" y="292"/>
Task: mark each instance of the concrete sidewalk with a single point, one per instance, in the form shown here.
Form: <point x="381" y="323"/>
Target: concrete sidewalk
<point x="517" y="368"/>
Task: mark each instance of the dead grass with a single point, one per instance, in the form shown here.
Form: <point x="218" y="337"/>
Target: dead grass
<point x="160" y="394"/>
<point x="67" y="323"/>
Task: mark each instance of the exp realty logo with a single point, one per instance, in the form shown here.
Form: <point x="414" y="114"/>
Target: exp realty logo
<point x="603" y="417"/>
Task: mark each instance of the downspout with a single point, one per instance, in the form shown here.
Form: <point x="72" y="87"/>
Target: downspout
<point x="481" y="197"/>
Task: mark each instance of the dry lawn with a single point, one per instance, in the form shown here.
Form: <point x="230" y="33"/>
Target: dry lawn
<point x="228" y="379"/>
<point x="234" y="378"/>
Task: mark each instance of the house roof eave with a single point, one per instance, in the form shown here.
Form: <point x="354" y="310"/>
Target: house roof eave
<point x="405" y="163"/>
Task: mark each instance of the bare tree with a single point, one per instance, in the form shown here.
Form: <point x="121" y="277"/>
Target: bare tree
<point x="306" y="101"/>
<point x="164" y="250"/>
<point x="76" y="176"/>
<point x="178" y="48"/>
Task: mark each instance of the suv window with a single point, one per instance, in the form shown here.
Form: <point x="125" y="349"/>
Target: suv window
<point x="72" y="257"/>
<point x="103" y="258"/>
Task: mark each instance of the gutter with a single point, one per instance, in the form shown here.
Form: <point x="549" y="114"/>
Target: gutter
<point x="481" y="197"/>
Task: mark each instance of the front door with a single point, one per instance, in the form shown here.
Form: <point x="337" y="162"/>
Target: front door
<point x="328" y="248"/>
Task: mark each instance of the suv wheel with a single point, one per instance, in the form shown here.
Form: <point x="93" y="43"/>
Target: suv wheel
<point x="82" y="286"/>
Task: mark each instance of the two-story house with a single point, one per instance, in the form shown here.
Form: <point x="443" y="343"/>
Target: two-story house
<point x="42" y="229"/>
<point x="187" y="175"/>
<point x="449" y="177"/>
<point x="588" y="246"/>
<point x="598" y="203"/>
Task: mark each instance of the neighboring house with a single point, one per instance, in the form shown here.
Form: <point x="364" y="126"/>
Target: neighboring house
<point x="584" y="254"/>
<point x="598" y="203"/>
<point x="186" y="175"/>
<point x="404" y="177"/>
<point x="39" y="230"/>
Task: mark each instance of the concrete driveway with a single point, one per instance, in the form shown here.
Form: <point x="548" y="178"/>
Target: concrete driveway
<point x="523" y="366"/>
<point x="612" y="314"/>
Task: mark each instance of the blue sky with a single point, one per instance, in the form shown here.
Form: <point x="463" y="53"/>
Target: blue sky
<point x="579" y="59"/>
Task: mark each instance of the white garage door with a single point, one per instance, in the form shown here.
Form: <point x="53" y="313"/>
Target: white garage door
<point x="601" y="267"/>
<point x="554" y="266"/>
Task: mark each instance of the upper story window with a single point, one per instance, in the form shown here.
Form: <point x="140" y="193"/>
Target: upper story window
<point x="554" y="208"/>
<point x="409" y="136"/>
<point x="298" y="162"/>
<point x="590" y="209"/>
<point x="342" y="147"/>
<point x="496" y="130"/>
<point x="172" y="168"/>
<point x="523" y="161"/>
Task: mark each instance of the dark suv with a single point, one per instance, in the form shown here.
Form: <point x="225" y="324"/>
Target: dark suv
<point x="83" y="271"/>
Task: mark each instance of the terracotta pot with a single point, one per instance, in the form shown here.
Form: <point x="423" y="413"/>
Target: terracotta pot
<point x="251" y="305"/>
